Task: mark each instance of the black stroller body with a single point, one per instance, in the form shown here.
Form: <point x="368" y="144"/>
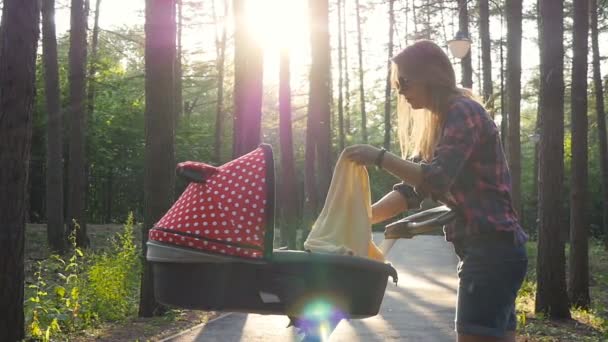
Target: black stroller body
<point x="199" y="266"/>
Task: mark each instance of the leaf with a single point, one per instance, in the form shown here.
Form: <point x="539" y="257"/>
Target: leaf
<point x="60" y="291"/>
<point x="71" y="278"/>
<point x="74" y="293"/>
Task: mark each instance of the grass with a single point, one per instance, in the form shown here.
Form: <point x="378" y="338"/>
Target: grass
<point x="586" y="325"/>
<point x="130" y="329"/>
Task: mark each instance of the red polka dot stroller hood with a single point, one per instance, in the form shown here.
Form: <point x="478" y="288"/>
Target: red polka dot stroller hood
<point x="226" y="210"/>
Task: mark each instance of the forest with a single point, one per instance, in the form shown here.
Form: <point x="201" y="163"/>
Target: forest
<point x="101" y="99"/>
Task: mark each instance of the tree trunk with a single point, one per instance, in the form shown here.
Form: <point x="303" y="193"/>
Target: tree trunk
<point x="443" y="23"/>
<point x="340" y="81"/>
<point x="578" y="275"/>
<point x="289" y="188"/>
<point x="179" y="102"/>
<point x="54" y="155"/>
<point x="486" y="49"/>
<point x="551" y="296"/>
<point x="514" y="34"/>
<point x="346" y="72"/>
<point x="361" y="76"/>
<point x="415" y="19"/>
<point x="387" y="90"/>
<point x="248" y="77"/>
<point x="504" y="122"/>
<point x="77" y="75"/>
<point x="107" y="217"/>
<point x="537" y="134"/>
<point x="320" y="91"/>
<point x="535" y="189"/>
<point x="463" y="27"/>
<point x="311" y="198"/>
<point x="18" y="44"/>
<point x="220" y="46"/>
<point x="93" y="63"/>
<point x="406" y="18"/>
<point x="159" y="132"/>
<point x="601" y="114"/>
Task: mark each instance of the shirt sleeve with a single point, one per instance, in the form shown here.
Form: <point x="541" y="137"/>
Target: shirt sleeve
<point x="461" y="133"/>
<point x="413" y="199"/>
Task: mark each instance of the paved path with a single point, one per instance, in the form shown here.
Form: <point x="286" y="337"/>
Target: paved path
<point x="420" y="308"/>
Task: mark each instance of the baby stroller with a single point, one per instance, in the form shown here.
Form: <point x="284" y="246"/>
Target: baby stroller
<point x="213" y="250"/>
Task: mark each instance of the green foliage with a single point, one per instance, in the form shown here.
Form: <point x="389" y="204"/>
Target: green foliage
<point x="56" y="305"/>
<point x="587" y="324"/>
<point x="113" y="277"/>
<point x="74" y="292"/>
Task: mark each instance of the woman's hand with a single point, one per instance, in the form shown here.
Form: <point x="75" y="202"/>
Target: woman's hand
<point x="362" y="154"/>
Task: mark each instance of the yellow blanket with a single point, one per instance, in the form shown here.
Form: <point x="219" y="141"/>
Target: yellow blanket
<point x="344" y="225"/>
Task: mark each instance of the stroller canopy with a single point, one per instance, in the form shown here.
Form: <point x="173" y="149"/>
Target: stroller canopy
<point x="225" y="210"/>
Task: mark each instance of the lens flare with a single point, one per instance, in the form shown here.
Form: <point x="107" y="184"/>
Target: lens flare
<point x="319" y="318"/>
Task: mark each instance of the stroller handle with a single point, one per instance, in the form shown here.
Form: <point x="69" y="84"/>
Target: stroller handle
<point x="425" y="222"/>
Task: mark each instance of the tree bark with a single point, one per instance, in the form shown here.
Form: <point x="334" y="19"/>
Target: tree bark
<point x="340" y="81"/>
<point x="601" y="114"/>
<point x="551" y="296"/>
<point x="220" y="46"/>
<point x="248" y="79"/>
<point x="361" y="76"/>
<point x="159" y="156"/>
<point x="504" y="120"/>
<point x="54" y="155"/>
<point x="486" y="49"/>
<point x="415" y="19"/>
<point x="537" y="134"/>
<point x="578" y="275"/>
<point x="514" y="34"/>
<point x="179" y="101"/>
<point x="18" y="44"/>
<point x="463" y="26"/>
<point x="108" y="186"/>
<point x="93" y="63"/>
<point x="387" y="90"/>
<point x="76" y="170"/>
<point x="311" y="198"/>
<point x="320" y="91"/>
<point x="289" y="188"/>
<point x="346" y="72"/>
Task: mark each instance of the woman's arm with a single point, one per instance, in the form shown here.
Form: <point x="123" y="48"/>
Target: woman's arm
<point x="403" y="169"/>
<point x="388" y="206"/>
<point x="408" y="171"/>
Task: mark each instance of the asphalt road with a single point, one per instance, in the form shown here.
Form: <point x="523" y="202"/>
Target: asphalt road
<point x="419" y="308"/>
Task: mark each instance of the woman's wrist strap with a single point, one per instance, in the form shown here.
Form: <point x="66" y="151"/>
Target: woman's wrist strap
<point x="380" y="158"/>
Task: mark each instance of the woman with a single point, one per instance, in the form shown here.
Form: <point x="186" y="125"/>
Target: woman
<point x="454" y="155"/>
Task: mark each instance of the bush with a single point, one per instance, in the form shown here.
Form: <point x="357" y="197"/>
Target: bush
<point x="72" y="295"/>
<point x="113" y="277"/>
<point x="56" y="305"/>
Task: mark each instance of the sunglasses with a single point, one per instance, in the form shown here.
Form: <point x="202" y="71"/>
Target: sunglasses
<point x="402" y="84"/>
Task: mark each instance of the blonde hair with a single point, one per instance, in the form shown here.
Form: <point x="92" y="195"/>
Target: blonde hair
<point x="419" y="129"/>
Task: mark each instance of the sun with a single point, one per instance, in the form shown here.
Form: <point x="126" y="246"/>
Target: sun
<point x="278" y="24"/>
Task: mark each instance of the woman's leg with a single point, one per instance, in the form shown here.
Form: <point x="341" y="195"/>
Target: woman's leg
<point x="489" y="279"/>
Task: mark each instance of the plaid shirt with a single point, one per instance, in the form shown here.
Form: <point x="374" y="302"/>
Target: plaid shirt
<point x="469" y="174"/>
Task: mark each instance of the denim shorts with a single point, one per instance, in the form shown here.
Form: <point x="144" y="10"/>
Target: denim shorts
<point x="490" y="274"/>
